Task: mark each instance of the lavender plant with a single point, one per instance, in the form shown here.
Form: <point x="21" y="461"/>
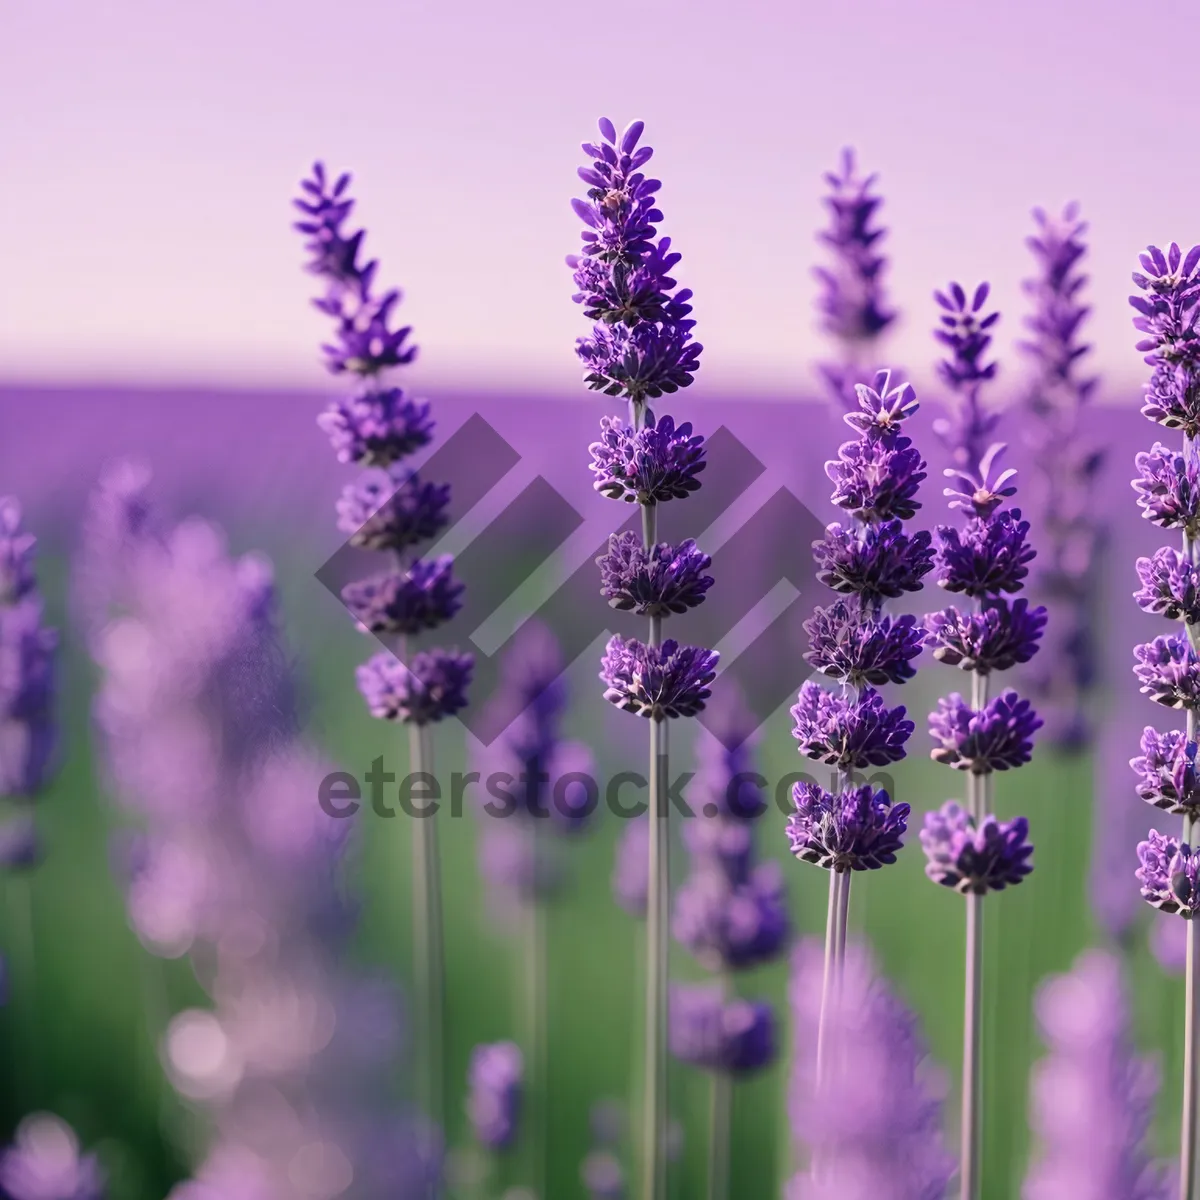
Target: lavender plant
<point x="968" y="849"/>
<point x="868" y="1113"/>
<point x="1091" y="1099"/>
<point x="1167" y="667"/>
<point x="731" y="913"/>
<point x="852" y="302"/>
<point x="391" y="510"/>
<point x="642" y="348"/>
<point x="27" y="726"/>
<point x="1066" y="461"/>
<point x="233" y="864"/>
<point x="855" y="826"/>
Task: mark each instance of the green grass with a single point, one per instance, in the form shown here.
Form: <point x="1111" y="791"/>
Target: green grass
<point x="79" y="1034"/>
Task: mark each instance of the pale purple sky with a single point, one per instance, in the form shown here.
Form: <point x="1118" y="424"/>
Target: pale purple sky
<point x="150" y="150"/>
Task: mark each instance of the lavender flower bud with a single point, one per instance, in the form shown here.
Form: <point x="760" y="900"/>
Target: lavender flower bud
<point x="657" y="681"/>
<point x="656" y="463"/>
<point x="877" y="479"/>
<point x="993" y="639"/>
<point x="378" y="428"/>
<point x="964" y="332"/>
<point x="996" y="738"/>
<point x="1170" y="586"/>
<point x="849" y="645"/>
<point x="882" y="562"/>
<point x="986" y="556"/>
<point x="1169" y="874"/>
<point x="496" y="1078"/>
<point x="732" y="925"/>
<point x="1168" y="488"/>
<point x="382" y="513"/>
<point x="882" y="409"/>
<point x="846" y="732"/>
<point x="1168" y="672"/>
<point x="423" y="596"/>
<point x="653" y="582"/>
<point x="1166" y="771"/>
<point x="430" y="688"/>
<point x="16" y="554"/>
<point x="977" y="493"/>
<point x="858" y="830"/>
<point x="736" y="1036"/>
<point x="985" y="859"/>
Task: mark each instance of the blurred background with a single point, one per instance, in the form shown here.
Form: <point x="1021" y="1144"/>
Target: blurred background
<point x="153" y="308"/>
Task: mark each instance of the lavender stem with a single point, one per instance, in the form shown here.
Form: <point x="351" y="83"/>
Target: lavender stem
<point x="428" y="936"/>
<point x="831" y="916"/>
<point x="720" y="1121"/>
<point x="972" y="1073"/>
<point x="654" y="1106"/>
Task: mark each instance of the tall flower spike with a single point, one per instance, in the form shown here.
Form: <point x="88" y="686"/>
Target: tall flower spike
<point x="1091" y="1100"/>
<point x="1066" y="462"/>
<point x="963" y="329"/>
<point x="967" y="848"/>
<point x="852" y="305"/>
<point x="642" y="348"/>
<point x="392" y="511"/>
<point x="1168" y="668"/>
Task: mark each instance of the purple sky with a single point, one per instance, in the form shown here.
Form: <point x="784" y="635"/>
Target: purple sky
<point x="151" y="149"/>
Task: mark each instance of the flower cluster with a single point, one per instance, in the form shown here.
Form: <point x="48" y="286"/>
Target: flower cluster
<point x="1168" y="491"/>
<point x="967" y="848"/>
<point x="707" y="1030"/>
<point x="653" y="581"/>
<point x="389" y="508"/>
<point x="641" y="346"/>
<point x="853" y="307"/>
<point x="1066" y="461"/>
<point x="731" y="910"/>
<point x="963" y="330"/>
<point x="495" y="1079"/>
<point x="876" y="478"/>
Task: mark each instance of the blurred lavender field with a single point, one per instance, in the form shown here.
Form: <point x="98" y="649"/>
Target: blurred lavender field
<point x="88" y="1005"/>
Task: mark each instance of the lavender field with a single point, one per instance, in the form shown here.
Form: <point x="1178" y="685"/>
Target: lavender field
<point x="573" y="669"/>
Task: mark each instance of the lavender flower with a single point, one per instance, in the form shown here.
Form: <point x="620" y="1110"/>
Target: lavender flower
<point x="963" y="330"/>
<point x="430" y="688"/>
<point x="986" y="556"/>
<point x="851" y="301"/>
<point x="972" y="859"/>
<point x="882" y="562"/>
<point x="378" y="428"/>
<point x="995" y="738"/>
<point x="44" y="1163"/>
<point x="877" y="479"/>
<point x="643" y="345"/>
<point x="858" y="830"/>
<point x="657" y="681"/>
<point x="734" y="1036"/>
<point x="1169" y="874"/>
<point x="977" y="493"/>
<point x="1067" y="460"/>
<point x="1091" y="1100"/>
<point x="653" y="581"/>
<point x="851" y="646"/>
<point x="383" y="513"/>
<point x="871" y="1116"/>
<point x="730" y="924"/>
<point x="1170" y="586"/>
<point x="1166" y="669"/>
<point x="993" y="639"/>
<point x="423" y="596"/>
<point x="496" y="1077"/>
<point x="1166" y="772"/>
<point x="657" y="462"/>
<point x="27" y="650"/>
<point x="849" y="733"/>
<point x="1168" y="488"/>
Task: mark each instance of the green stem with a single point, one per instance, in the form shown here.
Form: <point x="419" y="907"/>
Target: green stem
<point x="720" y="1128"/>
<point x="536" y="1092"/>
